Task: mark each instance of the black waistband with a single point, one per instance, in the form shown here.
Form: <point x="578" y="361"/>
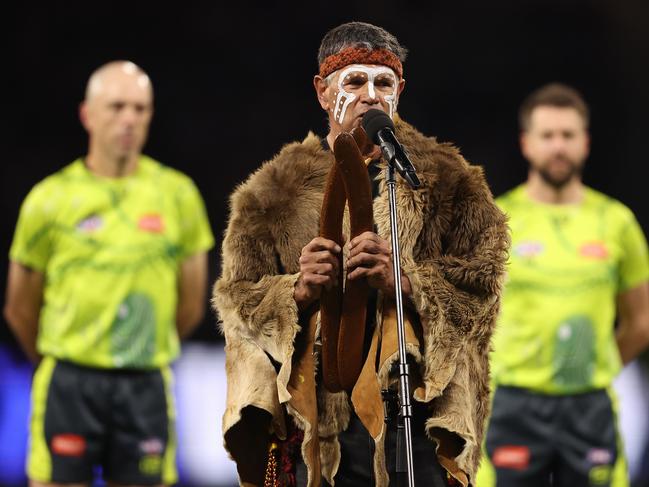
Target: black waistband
<point x="104" y="370"/>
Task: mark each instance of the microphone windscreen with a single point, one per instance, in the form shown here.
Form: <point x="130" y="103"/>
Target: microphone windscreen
<point x="373" y="121"/>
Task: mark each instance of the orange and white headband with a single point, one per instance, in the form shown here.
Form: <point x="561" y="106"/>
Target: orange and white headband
<point x="361" y="55"/>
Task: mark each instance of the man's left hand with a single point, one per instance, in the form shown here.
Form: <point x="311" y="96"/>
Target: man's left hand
<point x="370" y="257"/>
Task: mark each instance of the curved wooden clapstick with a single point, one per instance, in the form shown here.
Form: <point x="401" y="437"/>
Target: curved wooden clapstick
<point x="354" y="307"/>
<point x="342" y="319"/>
<point x="365" y="145"/>
<point x="331" y="217"/>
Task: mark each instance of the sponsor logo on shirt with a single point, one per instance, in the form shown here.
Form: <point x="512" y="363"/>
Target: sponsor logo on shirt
<point x="68" y="445"/>
<point x="594" y="250"/>
<point x="514" y="457"/>
<point x="90" y="224"/>
<point x="151" y="222"/>
<point x="528" y="248"/>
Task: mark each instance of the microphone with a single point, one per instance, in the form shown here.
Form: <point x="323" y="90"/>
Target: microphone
<point x="380" y="129"/>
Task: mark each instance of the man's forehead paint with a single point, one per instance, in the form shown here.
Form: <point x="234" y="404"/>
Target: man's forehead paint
<point x="344" y="98"/>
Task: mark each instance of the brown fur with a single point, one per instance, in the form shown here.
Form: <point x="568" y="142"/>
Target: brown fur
<point x="454" y="242"/>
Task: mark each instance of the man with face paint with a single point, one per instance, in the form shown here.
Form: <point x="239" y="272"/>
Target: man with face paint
<point x="108" y="268"/>
<point x="579" y="259"/>
<point x="453" y="249"/>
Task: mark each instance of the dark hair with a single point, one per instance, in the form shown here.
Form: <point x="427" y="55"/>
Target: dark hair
<point x="554" y="95"/>
<point x="359" y="34"/>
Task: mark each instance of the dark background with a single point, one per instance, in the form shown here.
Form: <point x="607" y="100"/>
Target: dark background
<point x="233" y="84"/>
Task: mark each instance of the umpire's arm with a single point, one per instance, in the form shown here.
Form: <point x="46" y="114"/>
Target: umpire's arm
<point x="192" y="286"/>
<point x="633" y="322"/>
<point x="23" y="305"/>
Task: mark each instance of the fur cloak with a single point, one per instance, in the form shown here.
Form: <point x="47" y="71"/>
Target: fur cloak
<point x="454" y="243"/>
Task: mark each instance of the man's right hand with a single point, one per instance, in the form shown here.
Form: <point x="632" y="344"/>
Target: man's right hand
<point x="318" y="269"/>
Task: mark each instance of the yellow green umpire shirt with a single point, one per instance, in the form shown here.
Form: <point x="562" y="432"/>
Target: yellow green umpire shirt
<point x="567" y="265"/>
<point x="110" y="249"/>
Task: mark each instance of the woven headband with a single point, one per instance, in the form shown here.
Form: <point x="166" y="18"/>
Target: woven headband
<point x="360" y="55"/>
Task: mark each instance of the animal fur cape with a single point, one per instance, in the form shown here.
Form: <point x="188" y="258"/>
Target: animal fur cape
<point x="454" y="243"/>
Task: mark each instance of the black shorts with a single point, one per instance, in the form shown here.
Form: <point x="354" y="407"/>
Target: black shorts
<point x="121" y="420"/>
<point x="570" y="439"/>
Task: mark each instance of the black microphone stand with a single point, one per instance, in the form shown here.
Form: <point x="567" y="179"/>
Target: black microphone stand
<point x="404" y="465"/>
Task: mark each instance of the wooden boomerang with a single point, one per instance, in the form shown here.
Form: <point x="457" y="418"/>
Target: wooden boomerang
<point x="342" y="316"/>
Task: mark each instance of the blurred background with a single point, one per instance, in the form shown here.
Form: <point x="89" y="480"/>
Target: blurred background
<point x="233" y="84"/>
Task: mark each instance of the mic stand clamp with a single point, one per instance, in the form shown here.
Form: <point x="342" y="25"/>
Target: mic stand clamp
<point x="396" y="156"/>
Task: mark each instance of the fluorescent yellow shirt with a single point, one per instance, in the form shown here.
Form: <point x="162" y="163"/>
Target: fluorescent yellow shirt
<point x="110" y="250"/>
<point x="567" y="265"/>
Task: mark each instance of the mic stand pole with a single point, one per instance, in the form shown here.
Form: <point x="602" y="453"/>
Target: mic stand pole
<point x="404" y="465"/>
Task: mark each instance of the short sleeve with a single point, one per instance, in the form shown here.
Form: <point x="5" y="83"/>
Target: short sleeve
<point x="195" y="232"/>
<point x="32" y="242"/>
<point x="634" y="261"/>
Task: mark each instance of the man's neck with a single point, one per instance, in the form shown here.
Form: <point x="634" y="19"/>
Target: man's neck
<point x="111" y="167"/>
<point x="331" y="137"/>
<point x="539" y="190"/>
<point x="375" y="153"/>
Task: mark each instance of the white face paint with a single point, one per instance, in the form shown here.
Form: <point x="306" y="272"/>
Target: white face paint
<point x="360" y="75"/>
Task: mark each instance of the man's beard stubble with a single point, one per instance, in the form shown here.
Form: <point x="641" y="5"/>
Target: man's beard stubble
<point x="559" y="181"/>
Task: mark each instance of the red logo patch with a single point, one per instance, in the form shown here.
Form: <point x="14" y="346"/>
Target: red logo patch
<point x="152" y="446"/>
<point x="594" y="250"/>
<point x="514" y="457"/>
<point x="151" y="223"/>
<point x="69" y="445"/>
<point x="599" y="456"/>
